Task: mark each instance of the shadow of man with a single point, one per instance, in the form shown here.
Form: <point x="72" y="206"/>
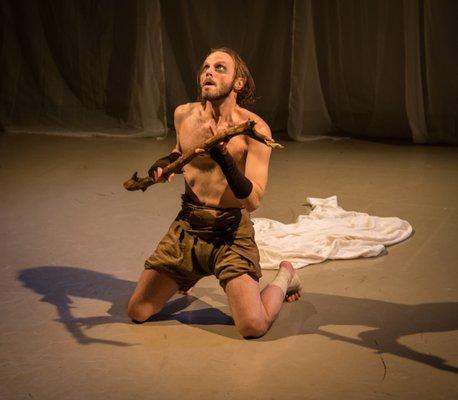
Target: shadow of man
<point x="387" y="322"/>
<point x="57" y="284"/>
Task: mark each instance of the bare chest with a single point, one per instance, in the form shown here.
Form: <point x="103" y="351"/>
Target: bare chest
<point x="194" y="133"/>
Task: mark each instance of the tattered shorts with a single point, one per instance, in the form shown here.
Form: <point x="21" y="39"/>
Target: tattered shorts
<point x="206" y="241"/>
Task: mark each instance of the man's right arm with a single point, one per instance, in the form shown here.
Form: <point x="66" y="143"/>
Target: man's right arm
<point x="179" y="116"/>
<point x="155" y="170"/>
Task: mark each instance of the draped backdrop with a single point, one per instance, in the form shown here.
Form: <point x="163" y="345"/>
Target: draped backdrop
<point x="378" y="68"/>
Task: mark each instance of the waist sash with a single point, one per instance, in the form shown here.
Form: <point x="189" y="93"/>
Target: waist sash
<point x="211" y="223"/>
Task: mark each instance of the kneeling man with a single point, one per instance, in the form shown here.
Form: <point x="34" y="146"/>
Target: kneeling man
<point x="213" y="233"/>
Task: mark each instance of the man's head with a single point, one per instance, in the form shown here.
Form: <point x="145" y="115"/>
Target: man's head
<point x="223" y="72"/>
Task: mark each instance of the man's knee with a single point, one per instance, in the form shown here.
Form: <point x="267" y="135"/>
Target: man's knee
<point x="253" y="327"/>
<point x="140" y="312"/>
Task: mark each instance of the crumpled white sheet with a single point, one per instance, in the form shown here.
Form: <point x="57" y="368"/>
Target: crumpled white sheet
<point x="328" y="232"/>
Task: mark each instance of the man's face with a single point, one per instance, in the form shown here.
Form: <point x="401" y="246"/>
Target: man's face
<point x="217" y="76"/>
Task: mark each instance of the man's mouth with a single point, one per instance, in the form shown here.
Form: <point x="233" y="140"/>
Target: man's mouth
<point x="209" y="83"/>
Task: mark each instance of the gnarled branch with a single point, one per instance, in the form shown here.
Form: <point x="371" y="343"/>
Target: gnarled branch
<point x="247" y="128"/>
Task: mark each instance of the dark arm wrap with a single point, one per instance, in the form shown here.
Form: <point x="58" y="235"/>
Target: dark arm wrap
<point x="239" y="183"/>
<point x="163" y="162"/>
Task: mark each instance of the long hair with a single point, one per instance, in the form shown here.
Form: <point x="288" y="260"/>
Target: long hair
<point x="246" y="95"/>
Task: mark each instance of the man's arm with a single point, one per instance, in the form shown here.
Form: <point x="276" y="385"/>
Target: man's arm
<point x="257" y="167"/>
<point x="248" y="187"/>
<point x="178" y="117"/>
<point x="155" y="170"/>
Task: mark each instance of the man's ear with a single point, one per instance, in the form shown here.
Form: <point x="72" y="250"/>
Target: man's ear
<point x="238" y="84"/>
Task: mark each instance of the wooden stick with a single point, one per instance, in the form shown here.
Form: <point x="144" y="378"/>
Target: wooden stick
<point x="247" y="128"/>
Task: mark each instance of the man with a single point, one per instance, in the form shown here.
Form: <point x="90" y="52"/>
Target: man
<point x="212" y="234"/>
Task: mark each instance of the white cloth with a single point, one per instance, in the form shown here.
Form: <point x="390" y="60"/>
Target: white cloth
<point x="328" y="232"/>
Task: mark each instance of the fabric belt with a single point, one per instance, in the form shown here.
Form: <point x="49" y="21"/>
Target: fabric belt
<point x="209" y="223"/>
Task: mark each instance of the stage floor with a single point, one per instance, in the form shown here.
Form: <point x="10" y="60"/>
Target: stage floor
<point x="73" y="243"/>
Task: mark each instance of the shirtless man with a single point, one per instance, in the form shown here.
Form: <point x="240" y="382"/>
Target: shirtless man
<point x="212" y="234"/>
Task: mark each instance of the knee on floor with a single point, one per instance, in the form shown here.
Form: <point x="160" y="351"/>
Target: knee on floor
<point x="140" y="312"/>
<point x="252" y="327"/>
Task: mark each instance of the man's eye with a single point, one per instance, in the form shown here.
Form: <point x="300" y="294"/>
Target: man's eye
<point x="220" y="68"/>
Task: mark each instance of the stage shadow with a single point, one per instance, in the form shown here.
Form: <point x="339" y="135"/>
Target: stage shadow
<point x="386" y="322"/>
<point x="58" y="284"/>
<point x="383" y="323"/>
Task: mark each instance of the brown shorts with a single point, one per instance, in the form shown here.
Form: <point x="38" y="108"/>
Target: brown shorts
<point x="206" y="241"/>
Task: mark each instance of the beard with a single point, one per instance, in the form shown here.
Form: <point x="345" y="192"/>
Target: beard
<point x="221" y="94"/>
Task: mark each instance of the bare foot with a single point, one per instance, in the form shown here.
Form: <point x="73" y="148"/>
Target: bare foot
<point x="293" y="292"/>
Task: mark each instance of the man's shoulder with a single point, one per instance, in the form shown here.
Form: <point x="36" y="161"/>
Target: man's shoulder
<point x="261" y="125"/>
<point x="184" y="110"/>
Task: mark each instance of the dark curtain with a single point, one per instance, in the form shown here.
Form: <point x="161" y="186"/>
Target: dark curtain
<point x="259" y="30"/>
<point x="380" y="68"/>
<point x="82" y="66"/>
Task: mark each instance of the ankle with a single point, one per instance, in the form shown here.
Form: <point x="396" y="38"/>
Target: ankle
<point x="287" y="267"/>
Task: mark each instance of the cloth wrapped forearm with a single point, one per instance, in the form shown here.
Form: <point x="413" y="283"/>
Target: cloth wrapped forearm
<point x="163" y="162"/>
<point x="240" y="185"/>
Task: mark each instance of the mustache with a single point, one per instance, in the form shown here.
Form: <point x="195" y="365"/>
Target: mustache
<point x="208" y="80"/>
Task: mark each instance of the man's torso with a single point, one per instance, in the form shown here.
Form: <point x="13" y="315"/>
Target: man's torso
<point x="204" y="180"/>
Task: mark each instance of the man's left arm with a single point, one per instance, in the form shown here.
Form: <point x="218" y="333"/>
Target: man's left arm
<point x="257" y="167"/>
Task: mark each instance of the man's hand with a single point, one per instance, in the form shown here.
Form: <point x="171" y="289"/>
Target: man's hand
<point x="159" y="178"/>
<point x="222" y="146"/>
<point x="156" y="170"/>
